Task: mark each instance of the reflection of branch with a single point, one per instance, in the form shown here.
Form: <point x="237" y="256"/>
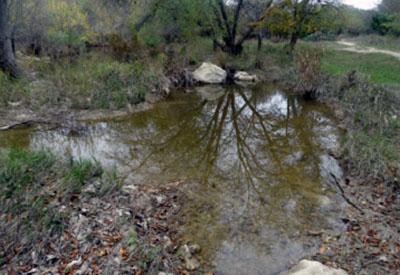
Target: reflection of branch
<point x="172" y="138"/>
<point x="261" y="120"/>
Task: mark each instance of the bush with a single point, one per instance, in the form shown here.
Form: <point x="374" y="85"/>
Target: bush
<point x="320" y="36"/>
<point x="307" y="61"/>
<point x="126" y="50"/>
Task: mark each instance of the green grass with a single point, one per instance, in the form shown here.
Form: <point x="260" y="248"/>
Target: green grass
<point x="377" y="68"/>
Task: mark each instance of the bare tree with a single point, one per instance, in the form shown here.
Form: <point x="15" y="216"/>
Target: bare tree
<point x="255" y="10"/>
<point x="7" y="59"/>
<point x="228" y="26"/>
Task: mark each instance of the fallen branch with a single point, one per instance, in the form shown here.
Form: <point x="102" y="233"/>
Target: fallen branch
<point x="344" y="194"/>
<point x="24" y="123"/>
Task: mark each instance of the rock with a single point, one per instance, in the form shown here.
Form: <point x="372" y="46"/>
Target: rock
<point x="244" y="76"/>
<point x="90" y="189"/>
<point x="192" y="264"/>
<point x="210" y="74"/>
<point x="306" y="267"/>
<point x="168" y="242"/>
<point x="14" y="104"/>
<point x="325" y="202"/>
<point x="186" y="251"/>
<point x="194" y="249"/>
<point x="211" y="93"/>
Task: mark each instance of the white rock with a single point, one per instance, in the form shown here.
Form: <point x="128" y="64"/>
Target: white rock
<point x="192" y="264"/>
<point x="306" y="267"/>
<point x="186" y="251"/>
<point x="14" y="104"/>
<point x="210" y="74"/>
<point x="244" y="76"/>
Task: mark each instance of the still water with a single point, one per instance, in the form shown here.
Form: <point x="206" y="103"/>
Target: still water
<point x="255" y="159"/>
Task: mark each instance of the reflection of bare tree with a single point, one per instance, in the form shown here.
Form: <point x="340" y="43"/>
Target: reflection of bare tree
<point x="232" y="137"/>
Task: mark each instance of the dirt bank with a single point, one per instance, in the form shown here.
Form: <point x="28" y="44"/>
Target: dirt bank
<point x="16" y="116"/>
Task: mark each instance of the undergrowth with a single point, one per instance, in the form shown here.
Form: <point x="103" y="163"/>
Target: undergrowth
<point x="95" y="81"/>
<point x="32" y="182"/>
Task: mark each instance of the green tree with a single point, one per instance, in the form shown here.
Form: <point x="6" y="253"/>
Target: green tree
<point x="389" y="7"/>
<point x="233" y="23"/>
<point x="298" y="18"/>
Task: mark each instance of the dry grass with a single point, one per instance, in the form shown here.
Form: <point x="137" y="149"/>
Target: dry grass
<point x="94" y="81"/>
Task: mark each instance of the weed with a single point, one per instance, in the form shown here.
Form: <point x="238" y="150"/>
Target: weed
<point x="94" y="81"/>
<point x="79" y="174"/>
<point x="308" y="65"/>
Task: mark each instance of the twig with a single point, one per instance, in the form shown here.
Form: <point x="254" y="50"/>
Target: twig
<point x="344" y="194"/>
<point x="365" y="265"/>
<point x="27" y="123"/>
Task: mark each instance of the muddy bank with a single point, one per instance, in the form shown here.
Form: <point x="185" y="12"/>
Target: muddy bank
<point x="371" y="242"/>
<point x="14" y="117"/>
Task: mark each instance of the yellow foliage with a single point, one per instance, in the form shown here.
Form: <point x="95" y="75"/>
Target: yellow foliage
<point x="299" y="17"/>
<point x="68" y="17"/>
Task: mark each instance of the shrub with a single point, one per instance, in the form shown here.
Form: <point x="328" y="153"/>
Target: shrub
<point x="320" y="36"/>
<point x="307" y="61"/>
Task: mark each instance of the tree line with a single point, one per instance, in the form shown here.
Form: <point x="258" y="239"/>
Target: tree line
<point x="65" y="27"/>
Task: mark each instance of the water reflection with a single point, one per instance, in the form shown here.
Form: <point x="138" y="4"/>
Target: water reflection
<point x="255" y="157"/>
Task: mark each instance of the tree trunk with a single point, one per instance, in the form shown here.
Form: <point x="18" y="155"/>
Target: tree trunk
<point x="7" y="59"/>
<point x="13" y="46"/>
<point x="293" y="41"/>
<point x="259" y="38"/>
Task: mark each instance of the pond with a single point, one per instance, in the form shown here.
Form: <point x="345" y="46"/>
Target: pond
<point x="254" y="159"/>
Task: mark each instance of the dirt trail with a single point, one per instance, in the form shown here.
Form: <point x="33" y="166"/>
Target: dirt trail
<point x="353" y="47"/>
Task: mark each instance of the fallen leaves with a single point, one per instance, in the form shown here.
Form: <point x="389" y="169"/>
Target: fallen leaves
<point x="124" y="252"/>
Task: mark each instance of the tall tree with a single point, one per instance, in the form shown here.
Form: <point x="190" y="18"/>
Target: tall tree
<point x="7" y="59"/>
<point x="254" y="10"/>
<point x="301" y="17"/>
<point x="227" y="16"/>
<point x="389" y="6"/>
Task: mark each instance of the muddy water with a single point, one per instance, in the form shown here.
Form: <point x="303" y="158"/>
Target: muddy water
<point x="254" y="160"/>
